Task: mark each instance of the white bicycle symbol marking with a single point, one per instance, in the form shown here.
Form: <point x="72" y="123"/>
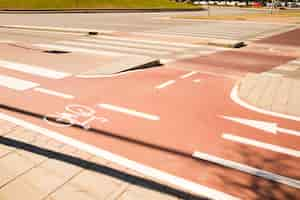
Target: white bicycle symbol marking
<point x="73" y="116"/>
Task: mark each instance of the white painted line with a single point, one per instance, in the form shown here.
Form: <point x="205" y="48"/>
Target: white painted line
<point x="197" y="81"/>
<point x="131" y="43"/>
<point x="272" y="74"/>
<point x="295" y="62"/>
<point x="234" y="96"/>
<point x="54" y="93"/>
<point x="129" y="50"/>
<point x="16" y="84"/>
<point x="34" y="70"/>
<point x="109" y="76"/>
<point x="122" y="161"/>
<point x="262" y="145"/>
<point x="77" y="49"/>
<point x="188" y="75"/>
<point x="248" y="169"/>
<point x="181" y="45"/>
<point x="129" y="112"/>
<point x="166" y="61"/>
<point x="165" y="84"/>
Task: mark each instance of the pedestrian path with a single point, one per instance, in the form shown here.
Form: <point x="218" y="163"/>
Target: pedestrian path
<point x="126" y="46"/>
<point x="276" y="90"/>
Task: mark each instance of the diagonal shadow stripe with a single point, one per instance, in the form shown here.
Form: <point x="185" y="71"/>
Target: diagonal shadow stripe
<point x="92" y="166"/>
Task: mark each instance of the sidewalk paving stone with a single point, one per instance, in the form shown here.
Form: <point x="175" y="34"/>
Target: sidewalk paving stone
<point x="11" y="166"/>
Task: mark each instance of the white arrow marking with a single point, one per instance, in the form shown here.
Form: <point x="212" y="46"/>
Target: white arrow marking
<point x="265" y="126"/>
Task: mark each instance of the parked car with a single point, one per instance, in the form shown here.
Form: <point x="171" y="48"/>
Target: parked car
<point x="291" y="4"/>
<point x="231" y="3"/>
<point x="211" y="2"/>
<point x="257" y="4"/>
<point x="242" y="4"/>
<point x="203" y="2"/>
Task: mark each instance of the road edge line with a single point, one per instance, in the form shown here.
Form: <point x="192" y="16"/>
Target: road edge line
<point x="140" y="168"/>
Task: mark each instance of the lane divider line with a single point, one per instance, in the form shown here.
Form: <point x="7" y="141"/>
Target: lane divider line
<point x="16" y="84"/>
<point x="197" y="80"/>
<point x="33" y="70"/>
<point x="248" y="169"/>
<point x="53" y="93"/>
<point x="165" y="84"/>
<point x="188" y="75"/>
<point x="129" y="112"/>
<point x="262" y="145"/>
<point x="159" y="175"/>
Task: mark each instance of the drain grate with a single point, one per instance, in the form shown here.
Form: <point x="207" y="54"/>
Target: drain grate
<point x="56" y="52"/>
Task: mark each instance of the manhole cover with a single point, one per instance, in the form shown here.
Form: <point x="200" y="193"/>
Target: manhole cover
<point x="56" y="52"/>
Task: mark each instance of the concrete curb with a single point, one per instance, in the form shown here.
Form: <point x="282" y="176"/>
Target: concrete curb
<point x="58" y="11"/>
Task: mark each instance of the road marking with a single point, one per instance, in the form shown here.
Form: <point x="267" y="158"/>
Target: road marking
<point x="34" y="70"/>
<point x="16" y="84"/>
<point x="262" y="125"/>
<point x="129" y="112"/>
<point x="109" y="76"/>
<point x="248" y="169"/>
<point x="116" y="48"/>
<point x="122" y="161"/>
<point x="197" y="81"/>
<point x="188" y="75"/>
<point x="77" y="49"/>
<point x="235" y="98"/>
<point x="165" y="84"/>
<point x="54" y="93"/>
<point x="295" y="62"/>
<point x="131" y="43"/>
<point x="181" y="45"/>
<point x="262" y="145"/>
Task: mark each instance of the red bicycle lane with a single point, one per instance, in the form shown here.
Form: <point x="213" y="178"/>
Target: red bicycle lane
<point x="183" y="117"/>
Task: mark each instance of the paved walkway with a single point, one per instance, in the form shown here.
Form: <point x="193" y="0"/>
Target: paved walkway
<point x="37" y="167"/>
<point x="277" y="90"/>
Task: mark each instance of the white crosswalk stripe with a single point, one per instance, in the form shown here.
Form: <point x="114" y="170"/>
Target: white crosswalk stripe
<point x="16" y="84"/>
<point x="120" y="46"/>
<point x="34" y="70"/>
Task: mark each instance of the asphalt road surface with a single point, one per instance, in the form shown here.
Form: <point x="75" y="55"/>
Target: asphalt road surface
<point x="182" y="123"/>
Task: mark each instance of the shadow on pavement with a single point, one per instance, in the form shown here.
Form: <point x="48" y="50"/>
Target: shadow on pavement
<point x="259" y="188"/>
<point x="88" y="165"/>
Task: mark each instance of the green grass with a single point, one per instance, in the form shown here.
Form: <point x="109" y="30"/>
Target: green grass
<point x="60" y="4"/>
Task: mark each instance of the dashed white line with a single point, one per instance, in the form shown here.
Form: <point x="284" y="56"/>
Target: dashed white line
<point x="248" y="169"/>
<point x="122" y="161"/>
<point x="197" y="80"/>
<point x="262" y="145"/>
<point x="54" y="93"/>
<point x="34" y="70"/>
<point x="16" y="84"/>
<point x="129" y="112"/>
<point x="188" y="75"/>
<point x="165" y="84"/>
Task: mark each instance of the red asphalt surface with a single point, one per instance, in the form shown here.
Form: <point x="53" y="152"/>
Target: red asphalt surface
<point x="190" y="119"/>
<point x="290" y="38"/>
